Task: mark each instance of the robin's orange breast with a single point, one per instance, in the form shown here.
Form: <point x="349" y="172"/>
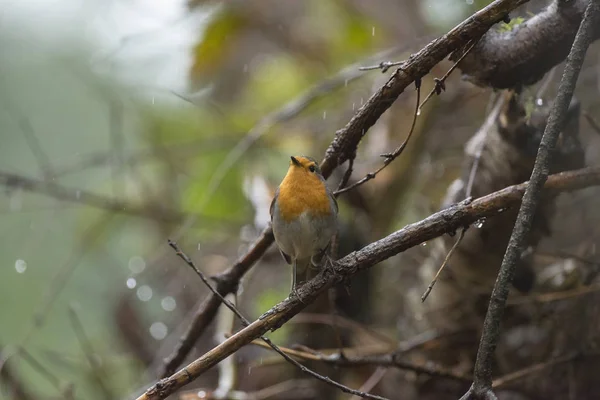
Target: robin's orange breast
<point x="300" y="192"/>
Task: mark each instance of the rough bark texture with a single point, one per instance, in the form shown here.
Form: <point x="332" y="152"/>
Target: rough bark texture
<point x="459" y="300"/>
<point x="522" y="55"/>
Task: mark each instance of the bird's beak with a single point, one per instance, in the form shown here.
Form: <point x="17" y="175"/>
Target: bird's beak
<point x="295" y="161"/>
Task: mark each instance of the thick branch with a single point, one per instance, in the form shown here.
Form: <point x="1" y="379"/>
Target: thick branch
<point x="344" y="146"/>
<point x="418" y="65"/>
<point x="445" y="221"/>
<point x="521" y="56"/>
<point x="482" y="385"/>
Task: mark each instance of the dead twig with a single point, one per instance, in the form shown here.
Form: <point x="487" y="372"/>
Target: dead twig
<point x="90" y="354"/>
<point x="389" y="157"/>
<point x="440" y="83"/>
<point x="595" y="125"/>
<point x="435" y="278"/>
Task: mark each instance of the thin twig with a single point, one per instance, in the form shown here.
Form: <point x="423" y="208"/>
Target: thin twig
<point x="525" y="372"/>
<point x="440" y="84"/>
<point x="482" y="384"/>
<point x="595" y="125"/>
<point x="486" y="127"/>
<point x="389" y="157"/>
<point x="435" y="278"/>
<point x="447" y="220"/>
<point x="392" y="359"/>
<point x="33" y="142"/>
<point x="490" y="120"/>
<point x="347" y="175"/>
<point x="115" y="117"/>
<point x="90" y="354"/>
<point x="554" y="296"/>
<point x="343" y="322"/>
<point x="373" y="380"/>
<point x="40" y="368"/>
<point x="383" y="66"/>
<point x="245" y="322"/>
<point x="49" y="188"/>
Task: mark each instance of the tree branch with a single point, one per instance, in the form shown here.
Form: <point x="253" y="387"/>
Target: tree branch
<point x="417" y="66"/>
<point x="522" y="55"/>
<point x="447" y="220"/>
<point x="269" y="343"/>
<point x="59" y="192"/>
<point x="482" y="385"/>
<point x="344" y="146"/>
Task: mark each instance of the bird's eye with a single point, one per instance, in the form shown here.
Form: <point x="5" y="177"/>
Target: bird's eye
<point x="312" y="168"/>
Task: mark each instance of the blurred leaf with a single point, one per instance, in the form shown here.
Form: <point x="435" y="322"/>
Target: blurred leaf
<point x="219" y="37"/>
<point x="275" y="80"/>
<point x="226" y="202"/>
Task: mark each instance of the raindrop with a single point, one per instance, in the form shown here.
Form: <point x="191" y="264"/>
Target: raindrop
<point x="424" y="244"/>
<point x="470" y="2"/>
<point x="324" y="114"/>
<point x="158" y="330"/>
<point x="152" y="100"/>
<point x="78" y="194"/>
<point x="353" y="106"/>
<point x="539" y="102"/>
<point x="131" y="283"/>
<point x="144" y="293"/>
<point x="20" y="266"/>
<point x="346" y="82"/>
<point x="168" y="303"/>
<point x="418" y="111"/>
<point x="500" y="210"/>
<point x="199" y="247"/>
<point x="362" y="101"/>
<point x="373" y="31"/>
<point x="245" y="68"/>
<point x="137" y="264"/>
<point x="479" y="223"/>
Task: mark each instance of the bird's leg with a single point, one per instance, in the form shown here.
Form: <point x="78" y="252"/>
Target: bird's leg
<point x="294" y="269"/>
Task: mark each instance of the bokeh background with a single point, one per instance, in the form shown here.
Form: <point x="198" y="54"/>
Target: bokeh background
<point x="129" y="122"/>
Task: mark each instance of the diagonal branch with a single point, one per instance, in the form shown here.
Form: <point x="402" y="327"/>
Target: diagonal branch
<point x="482" y="384"/>
<point x="344" y="146"/>
<point x="268" y="341"/>
<point x="447" y="220"/>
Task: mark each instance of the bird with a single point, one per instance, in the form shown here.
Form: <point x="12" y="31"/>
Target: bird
<point x="303" y="216"/>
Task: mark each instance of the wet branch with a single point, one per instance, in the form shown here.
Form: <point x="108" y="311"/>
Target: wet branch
<point x="482" y="385"/>
<point x="343" y="148"/>
<point x="447" y="220"/>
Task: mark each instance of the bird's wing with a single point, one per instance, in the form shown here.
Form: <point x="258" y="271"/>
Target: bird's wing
<point x="272" y="207"/>
<point x="286" y="257"/>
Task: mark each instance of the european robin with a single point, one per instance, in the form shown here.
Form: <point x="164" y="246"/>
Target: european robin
<point x="303" y="216"/>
